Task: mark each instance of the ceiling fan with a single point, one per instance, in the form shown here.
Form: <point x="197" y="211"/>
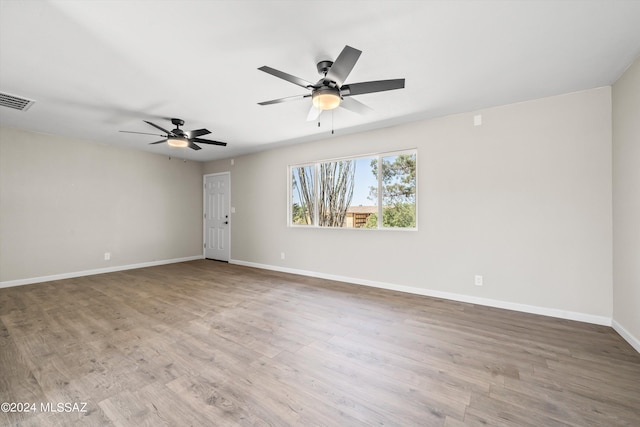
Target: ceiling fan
<point x="330" y="91"/>
<point x="181" y="138"/>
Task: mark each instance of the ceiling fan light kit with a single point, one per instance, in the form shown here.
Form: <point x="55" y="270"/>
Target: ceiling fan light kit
<point x="178" y="141"/>
<point x="326" y="98"/>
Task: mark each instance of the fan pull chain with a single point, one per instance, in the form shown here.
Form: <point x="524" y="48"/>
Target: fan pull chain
<point x="332" y="122"/>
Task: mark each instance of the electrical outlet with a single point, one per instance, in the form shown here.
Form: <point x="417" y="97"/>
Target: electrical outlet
<point x="281" y="255"/>
<point x="107" y="256"/>
<point x="478" y="280"/>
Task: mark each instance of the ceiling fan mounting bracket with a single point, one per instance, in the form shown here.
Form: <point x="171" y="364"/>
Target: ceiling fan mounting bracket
<point x="177" y="122"/>
<point x="323" y="67"/>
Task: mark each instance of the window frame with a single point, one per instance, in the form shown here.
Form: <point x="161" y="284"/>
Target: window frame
<point x="316" y="166"/>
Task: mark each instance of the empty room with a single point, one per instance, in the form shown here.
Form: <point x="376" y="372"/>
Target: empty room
<point x="319" y="213"/>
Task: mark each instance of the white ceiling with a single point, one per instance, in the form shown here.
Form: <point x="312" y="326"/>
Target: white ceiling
<point x="97" y="67"/>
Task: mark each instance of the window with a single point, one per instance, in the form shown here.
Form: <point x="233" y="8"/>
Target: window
<point x="344" y="192"/>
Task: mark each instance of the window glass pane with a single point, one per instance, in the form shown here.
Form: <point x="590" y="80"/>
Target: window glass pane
<point x="335" y="192"/>
<point x="302" y="195"/>
<point x="399" y="191"/>
<point x="363" y="210"/>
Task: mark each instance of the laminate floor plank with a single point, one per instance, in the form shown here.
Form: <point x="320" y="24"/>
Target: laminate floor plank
<point x="323" y="386"/>
<point x="392" y="375"/>
<point x="17" y="382"/>
<point x="209" y="343"/>
<point x="54" y="376"/>
<point x="411" y="371"/>
<point x="152" y="405"/>
<point x="212" y="399"/>
<point x="486" y="410"/>
<point x="275" y="402"/>
<point x="621" y="389"/>
<point x="567" y="405"/>
<point x="423" y="343"/>
<point x="399" y="403"/>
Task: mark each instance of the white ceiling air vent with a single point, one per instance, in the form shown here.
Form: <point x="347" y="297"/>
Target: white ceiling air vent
<point x="15" y="102"/>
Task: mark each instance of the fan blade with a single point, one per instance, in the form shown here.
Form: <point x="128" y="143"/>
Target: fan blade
<point x="288" y="77"/>
<point x="288" y="98"/>
<point x="370" y="87"/>
<point x="158" y="142"/>
<point x="141" y="133"/>
<point x="314" y="113"/>
<point x="343" y="65"/>
<point x="356" y="106"/>
<point x="158" y="127"/>
<point x="194" y="146"/>
<point x="208" y="141"/>
<point x="198" y="132"/>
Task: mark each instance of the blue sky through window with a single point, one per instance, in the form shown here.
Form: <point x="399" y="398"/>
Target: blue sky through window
<point x="364" y="179"/>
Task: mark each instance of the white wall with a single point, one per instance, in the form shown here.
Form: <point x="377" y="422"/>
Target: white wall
<point x="626" y="204"/>
<point x="524" y="200"/>
<point x="64" y="203"/>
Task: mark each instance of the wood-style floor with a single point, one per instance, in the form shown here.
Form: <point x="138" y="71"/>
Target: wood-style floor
<point x="205" y="343"/>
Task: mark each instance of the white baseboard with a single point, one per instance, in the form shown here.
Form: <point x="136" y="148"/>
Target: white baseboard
<point x="32" y="280"/>
<point x="552" y="312"/>
<point x="635" y="342"/>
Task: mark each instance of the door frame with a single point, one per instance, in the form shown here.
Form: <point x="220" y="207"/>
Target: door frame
<point x="204" y="207"/>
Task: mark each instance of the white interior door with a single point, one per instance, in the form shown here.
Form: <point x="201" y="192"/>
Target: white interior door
<point x="216" y="216"/>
